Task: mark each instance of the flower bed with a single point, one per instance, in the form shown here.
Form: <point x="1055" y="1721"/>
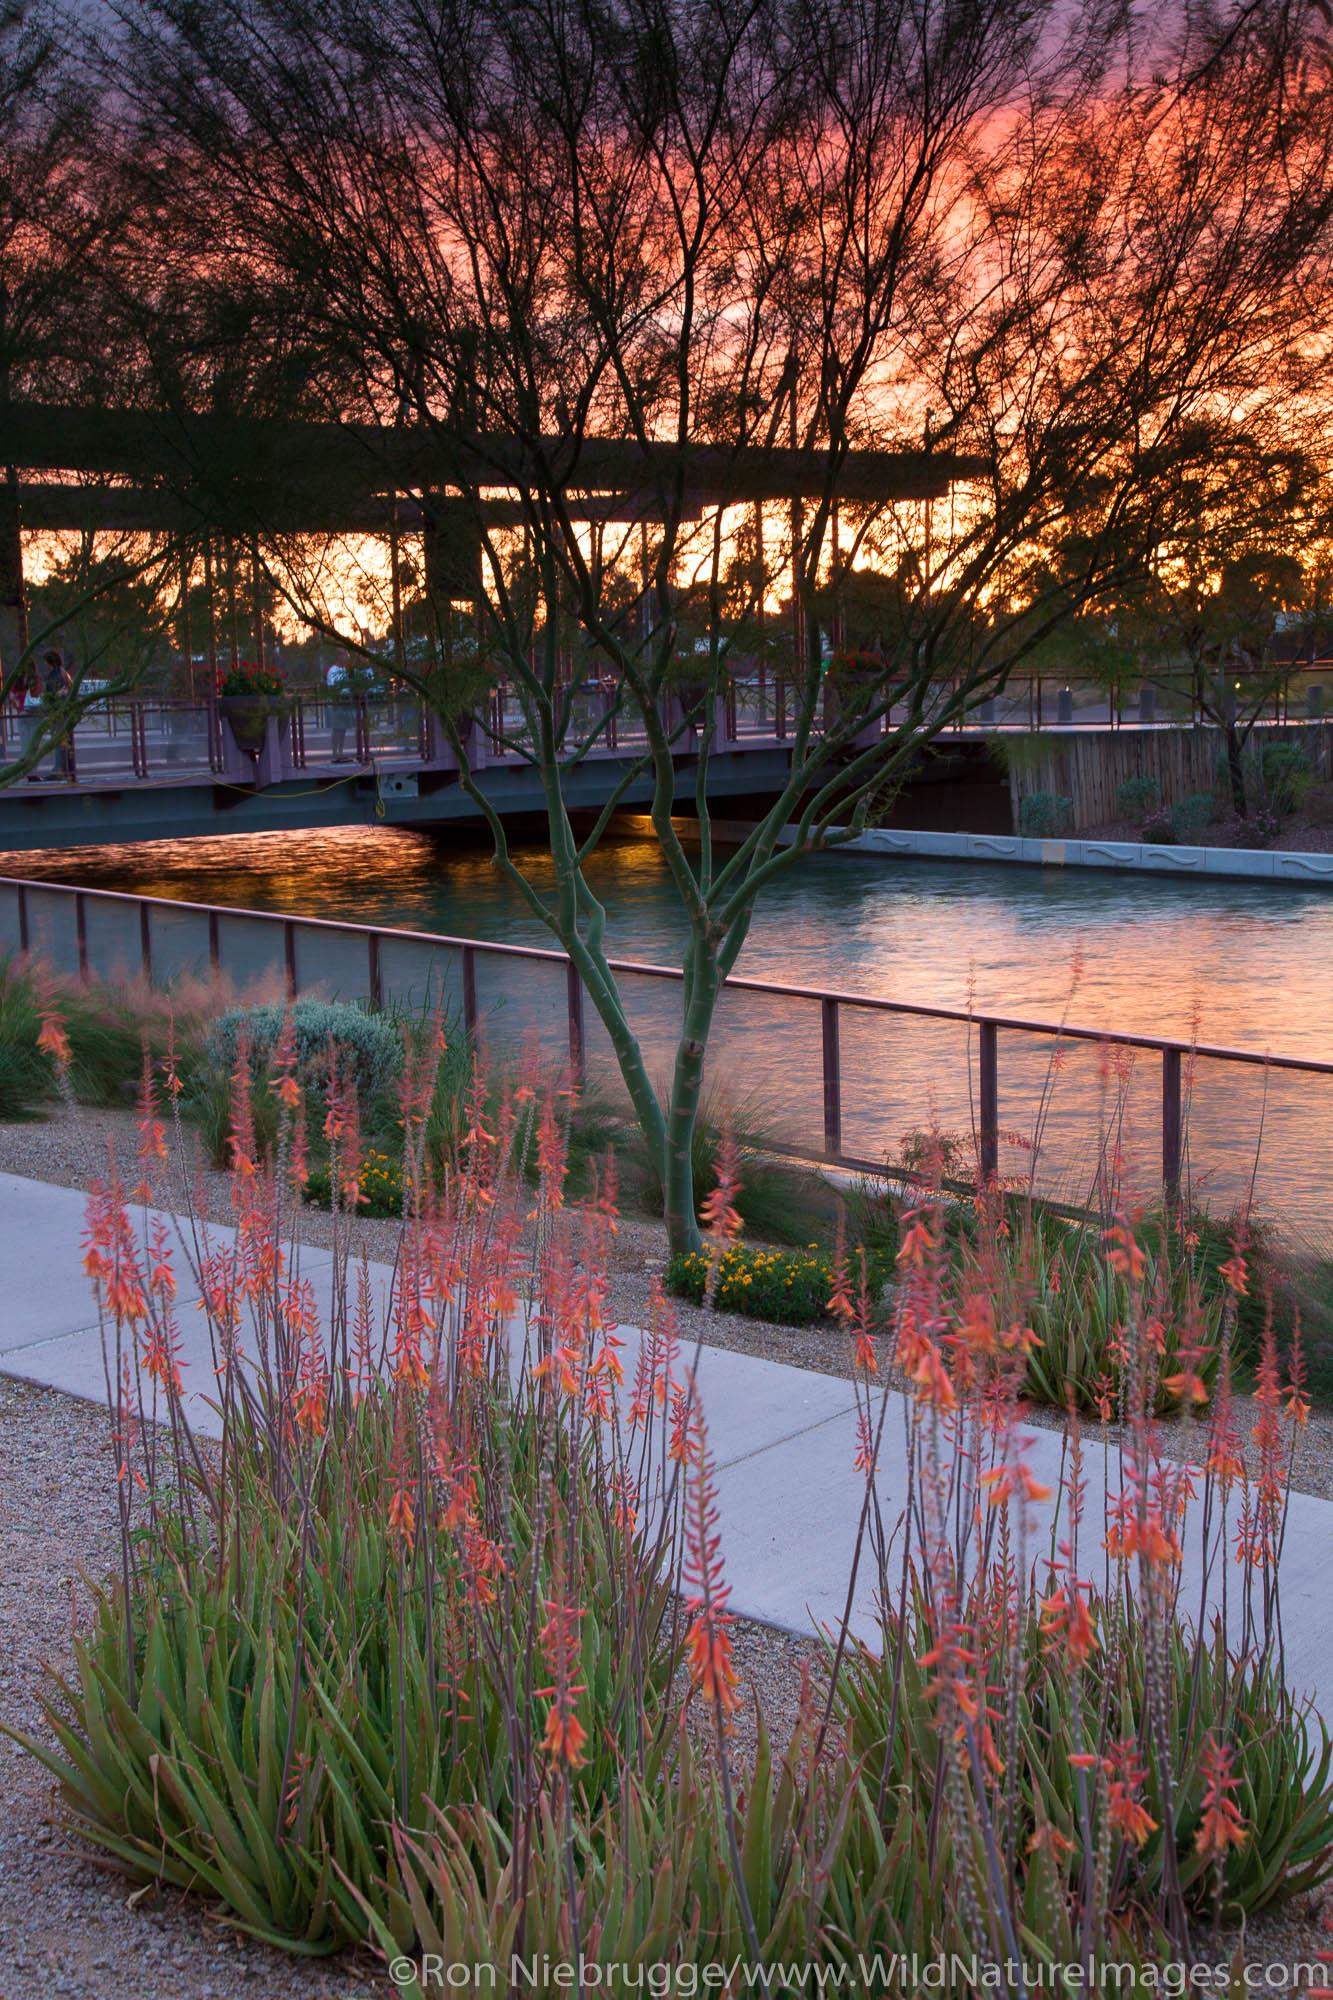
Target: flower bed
<point x="404" y="1659"/>
<point x="788" y="1287"/>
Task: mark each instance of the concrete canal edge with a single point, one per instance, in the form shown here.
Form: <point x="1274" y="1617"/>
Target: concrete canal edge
<point x="1246" y="863"/>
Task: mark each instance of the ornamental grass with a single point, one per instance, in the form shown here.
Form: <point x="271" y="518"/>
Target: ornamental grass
<point x="422" y="1633"/>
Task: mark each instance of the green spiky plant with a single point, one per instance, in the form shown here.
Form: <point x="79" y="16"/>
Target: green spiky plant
<point x="400" y="1658"/>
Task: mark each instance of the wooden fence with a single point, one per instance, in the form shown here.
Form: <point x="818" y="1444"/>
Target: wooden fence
<point x="1090" y="768"/>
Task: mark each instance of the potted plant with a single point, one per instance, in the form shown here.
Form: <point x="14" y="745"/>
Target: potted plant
<point x="249" y="696"/>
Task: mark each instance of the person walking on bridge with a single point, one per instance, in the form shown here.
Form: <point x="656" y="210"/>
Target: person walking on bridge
<point x="57" y="686"/>
<point x="342" y="716"/>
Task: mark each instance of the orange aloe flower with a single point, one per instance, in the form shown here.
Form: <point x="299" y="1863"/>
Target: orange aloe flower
<point x="1130" y="1818"/>
<point x="52" y="1039"/>
<point x="1065" y="1614"/>
<point x="564" y="1736"/>
<point x="1222" y="1826"/>
<point x="708" y="1650"/>
<point x="402" y="1516"/>
<point x="932" y="1380"/>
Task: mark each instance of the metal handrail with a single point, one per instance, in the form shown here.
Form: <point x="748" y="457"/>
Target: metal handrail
<point x="742" y="722"/>
<point x="830" y="1001"/>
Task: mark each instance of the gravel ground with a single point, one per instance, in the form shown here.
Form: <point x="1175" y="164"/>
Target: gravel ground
<point x="68" y="1926"/>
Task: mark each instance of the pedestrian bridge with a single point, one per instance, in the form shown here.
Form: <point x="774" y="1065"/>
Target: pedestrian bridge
<point x="166" y="770"/>
<point x="161" y="769"/>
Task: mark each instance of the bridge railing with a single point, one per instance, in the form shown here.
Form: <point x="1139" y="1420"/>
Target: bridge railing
<point x="852" y="1071"/>
<point x="158" y="740"/>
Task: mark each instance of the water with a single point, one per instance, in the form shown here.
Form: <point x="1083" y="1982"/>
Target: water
<point x="1236" y="963"/>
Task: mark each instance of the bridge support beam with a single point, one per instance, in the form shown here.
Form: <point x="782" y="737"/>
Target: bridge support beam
<point x="13" y="603"/>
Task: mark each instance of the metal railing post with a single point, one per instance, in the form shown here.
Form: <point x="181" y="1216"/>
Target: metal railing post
<point x="24" y="939"/>
<point x="289" y="957"/>
<point x="217" y="756"/>
<point x="376" y="970"/>
<point x="574" y="1009"/>
<point x="81" y="933"/>
<point x="988" y="1094"/>
<point x="146" y="943"/>
<point x="214" y="942"/>
<point x="1171" y="1126"/>
<point x="469" y="991"/>
<point x="828" y="1018"/>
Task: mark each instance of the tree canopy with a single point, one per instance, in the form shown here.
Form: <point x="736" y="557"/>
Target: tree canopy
<point x="653" y="277"/>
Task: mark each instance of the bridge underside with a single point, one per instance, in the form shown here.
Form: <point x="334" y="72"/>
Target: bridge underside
<point x="68" y="816"/>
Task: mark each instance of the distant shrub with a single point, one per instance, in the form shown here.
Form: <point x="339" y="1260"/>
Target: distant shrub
<point x="365" y="1040"/>
<point x="775" y="1201"/>
<point x="1286" y="776"/>
<point x="1190" y="815"/>
<point x="1137" y="797"/>
<point x="26" y="1075"/>
<point x="935" y="1156"/>
<point x="1158" y="829"/>
<point x="1044" y="815"/>
<point x="105" y="1031"/>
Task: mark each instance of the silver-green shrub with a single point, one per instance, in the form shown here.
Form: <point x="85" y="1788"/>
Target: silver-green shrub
<point x="366" y="1041"/>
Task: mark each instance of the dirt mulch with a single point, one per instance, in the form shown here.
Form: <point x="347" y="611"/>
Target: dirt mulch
<point x="1309" y="831"/>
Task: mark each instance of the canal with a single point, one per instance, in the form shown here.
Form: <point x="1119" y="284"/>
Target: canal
<point x="1240" y="963"/>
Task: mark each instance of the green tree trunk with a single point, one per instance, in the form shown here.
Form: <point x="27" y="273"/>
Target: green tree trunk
<point x="1236" y="771"/>
<point x="678" y="1189"/>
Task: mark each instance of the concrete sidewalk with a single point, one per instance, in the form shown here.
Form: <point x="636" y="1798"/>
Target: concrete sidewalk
<point x="783" y="1440"/>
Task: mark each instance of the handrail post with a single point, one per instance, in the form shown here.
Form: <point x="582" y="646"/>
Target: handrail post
<point x="988" y="1059"/>
<point x="214" y="943"/>
<point x="469" y="992"/>
<point x="25" y="944"/>
<point x="289" y="957"/>
<point x="376" y="970"/>
<point x="81" y="933"/>
<point x="828" y="1020"/>
<point x="574" y="1009"/>
<point x="146" y="943"/>
<point x="1171" y="1126"/>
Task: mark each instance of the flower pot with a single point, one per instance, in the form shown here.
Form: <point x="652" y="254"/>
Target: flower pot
<point x="248" y="716"/>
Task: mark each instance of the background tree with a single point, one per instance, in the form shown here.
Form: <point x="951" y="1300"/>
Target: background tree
<point x="646" y="263"/>
<point x="99" y="598"/>
<point x="1239" y="572"/>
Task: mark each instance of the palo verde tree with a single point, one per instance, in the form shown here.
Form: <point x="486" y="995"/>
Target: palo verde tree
<point x="674" y="315"/>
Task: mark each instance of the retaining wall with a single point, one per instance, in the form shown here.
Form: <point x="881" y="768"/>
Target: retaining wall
<point x="1246" y="862"/>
